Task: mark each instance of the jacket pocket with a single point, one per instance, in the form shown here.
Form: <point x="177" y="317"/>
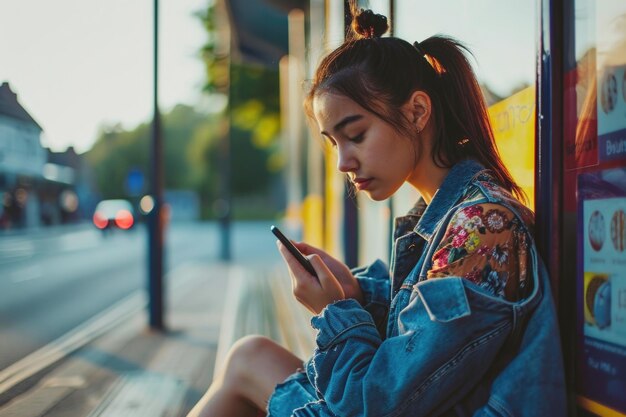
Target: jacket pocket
<point x="455" y="334"/>
<point x="444" y="298"/>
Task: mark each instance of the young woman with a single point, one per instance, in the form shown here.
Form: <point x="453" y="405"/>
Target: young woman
<point x="463" y="322"/>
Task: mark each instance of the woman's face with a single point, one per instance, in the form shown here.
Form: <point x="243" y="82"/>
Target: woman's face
<point x="377" y="159"/>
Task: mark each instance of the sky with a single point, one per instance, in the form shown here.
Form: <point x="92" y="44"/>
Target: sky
<point x="506" y="60"/>
<point x="77" y="65"/>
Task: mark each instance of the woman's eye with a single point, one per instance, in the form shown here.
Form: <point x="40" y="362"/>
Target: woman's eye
<point x="358" y="138"/>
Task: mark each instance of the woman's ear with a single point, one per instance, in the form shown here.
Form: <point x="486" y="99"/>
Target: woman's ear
<point x="418" y="109"/>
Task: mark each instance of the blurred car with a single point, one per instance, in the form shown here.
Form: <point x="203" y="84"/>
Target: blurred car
<point x="110" y="214"/>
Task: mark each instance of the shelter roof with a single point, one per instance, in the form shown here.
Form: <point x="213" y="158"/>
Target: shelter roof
<point x="260" y="28"/>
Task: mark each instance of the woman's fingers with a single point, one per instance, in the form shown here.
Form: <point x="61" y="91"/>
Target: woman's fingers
<point x="331" y="262"/>
<point x="292" y="262"/>
<point x="301" y="279"/>
<point x="328" y="281"/>
<point x="302" y="282"/>
<point x="314" y="293"/>
<point x="309" y="250"/>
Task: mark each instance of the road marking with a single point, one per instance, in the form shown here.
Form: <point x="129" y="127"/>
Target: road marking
<point x="75" y="381"/>
<point x="77" y="245"/>
<point x="85" y="239"/>
<point x="17" y="248"/>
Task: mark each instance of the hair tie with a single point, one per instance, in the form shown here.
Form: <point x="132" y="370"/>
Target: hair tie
<point x="419" y="48"/>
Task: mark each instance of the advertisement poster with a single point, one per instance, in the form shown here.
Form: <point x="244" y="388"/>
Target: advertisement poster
<point x="595" y="180"/>
<point x="602" y="286"/>
<point x="513" y="121"/>
<point x="612" y="113"/>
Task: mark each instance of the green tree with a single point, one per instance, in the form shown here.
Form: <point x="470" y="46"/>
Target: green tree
<point x="117" y="151"/>
<point x="254" y="118"/>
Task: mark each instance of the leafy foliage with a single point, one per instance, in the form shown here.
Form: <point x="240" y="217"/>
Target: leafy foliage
<point x="254" y="112"/>
<point x="117" y="152"/>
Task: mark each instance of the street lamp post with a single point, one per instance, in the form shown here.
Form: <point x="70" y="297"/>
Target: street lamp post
<point x="155" y="220"/>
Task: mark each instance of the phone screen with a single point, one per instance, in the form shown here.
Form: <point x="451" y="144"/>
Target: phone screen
<point x="294" y="251"/>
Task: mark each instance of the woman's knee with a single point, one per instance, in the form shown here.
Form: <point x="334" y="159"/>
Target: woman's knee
<point x="246" y="356"/>
<point x="255" y="364"/>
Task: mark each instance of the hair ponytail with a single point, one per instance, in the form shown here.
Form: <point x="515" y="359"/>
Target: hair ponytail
<point x="461" y="114"/>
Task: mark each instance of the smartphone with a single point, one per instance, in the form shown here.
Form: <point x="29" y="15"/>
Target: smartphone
<point x="294" y="251"/>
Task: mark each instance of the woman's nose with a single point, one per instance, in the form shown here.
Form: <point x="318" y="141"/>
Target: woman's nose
<point x="345" y="161"/>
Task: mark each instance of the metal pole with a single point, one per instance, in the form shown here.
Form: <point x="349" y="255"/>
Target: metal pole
<point x="295" y="121"/>
<point x="350" y="212"/>
<point x="225" y="198"/>
<point x="155" y="220"/>
<point x="224" y="202"/>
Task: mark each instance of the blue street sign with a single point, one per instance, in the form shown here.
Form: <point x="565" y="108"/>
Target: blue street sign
<point x="134" y="182"/>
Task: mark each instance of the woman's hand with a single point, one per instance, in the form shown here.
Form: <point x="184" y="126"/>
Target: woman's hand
<point x="313" y="293"/>
<point x="348" y="282"/>
<point x="335" y="281"/>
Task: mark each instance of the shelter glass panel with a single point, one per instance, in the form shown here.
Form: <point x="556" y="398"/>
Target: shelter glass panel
<point x="594" y="197"/>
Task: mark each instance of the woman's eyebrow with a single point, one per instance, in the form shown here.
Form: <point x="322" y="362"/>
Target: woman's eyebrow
<point x="344" y="122"/>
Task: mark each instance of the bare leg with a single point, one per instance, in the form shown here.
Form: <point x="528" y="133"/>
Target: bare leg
<point x="254" y="366"/>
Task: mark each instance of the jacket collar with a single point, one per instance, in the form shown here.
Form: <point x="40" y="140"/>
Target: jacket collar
<point x="452" y="189"/>
<point x="405" y="224"/>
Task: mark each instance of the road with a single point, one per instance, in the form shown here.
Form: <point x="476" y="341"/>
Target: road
<point x="53" y="280"/>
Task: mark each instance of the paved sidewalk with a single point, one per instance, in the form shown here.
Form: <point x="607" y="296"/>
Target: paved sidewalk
<point x="131" y="371"/>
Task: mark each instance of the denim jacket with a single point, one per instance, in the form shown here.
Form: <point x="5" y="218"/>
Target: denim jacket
<point x="433" y="347"/>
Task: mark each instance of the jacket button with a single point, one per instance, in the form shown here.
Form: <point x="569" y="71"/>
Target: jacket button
<point x="412" y="247"/>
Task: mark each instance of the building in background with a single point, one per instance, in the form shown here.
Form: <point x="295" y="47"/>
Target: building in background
<point x="38" y="187"/>
<point x="68" y="193"/>
<point x="22" y="160"/>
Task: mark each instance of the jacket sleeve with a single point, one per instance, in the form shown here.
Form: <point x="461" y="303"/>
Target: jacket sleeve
<point x="450" y="332"/>
<point x="375" y="285"/>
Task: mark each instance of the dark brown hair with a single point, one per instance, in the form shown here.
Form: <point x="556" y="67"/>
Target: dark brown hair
<point x="381" y="74"/>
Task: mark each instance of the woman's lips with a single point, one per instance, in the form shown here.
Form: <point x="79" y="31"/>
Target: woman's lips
<point x="362" y="183"/>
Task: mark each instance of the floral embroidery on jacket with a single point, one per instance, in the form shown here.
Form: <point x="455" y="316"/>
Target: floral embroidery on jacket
<point x="486" y="244"/>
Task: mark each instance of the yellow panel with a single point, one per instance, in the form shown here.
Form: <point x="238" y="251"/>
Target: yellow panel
<point x="513" y="121"/>
<point x="596" y="408"/>
<point x="334" y="204"/>
<point x="312" y="220"/>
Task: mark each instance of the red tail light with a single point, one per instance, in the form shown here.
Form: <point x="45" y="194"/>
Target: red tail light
<point x="99" y="221"/>
<point x="124" y="219"/>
